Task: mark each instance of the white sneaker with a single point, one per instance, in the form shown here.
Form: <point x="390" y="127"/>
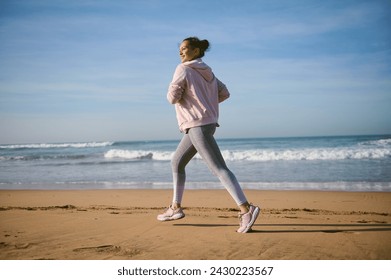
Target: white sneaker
<point x="247" y="220"/>
<point x="171" y="214"/>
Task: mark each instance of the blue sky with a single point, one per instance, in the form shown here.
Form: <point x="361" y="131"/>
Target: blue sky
<point x="99" y="70"/>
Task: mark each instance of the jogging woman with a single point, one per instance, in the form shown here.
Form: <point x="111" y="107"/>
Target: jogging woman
<point x="196" y="94"/>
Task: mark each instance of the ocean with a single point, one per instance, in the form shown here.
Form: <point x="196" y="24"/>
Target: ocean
<point x="343" y="163"/>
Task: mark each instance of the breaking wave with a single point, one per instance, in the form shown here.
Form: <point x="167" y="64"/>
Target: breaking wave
<point x="306" y="154"/>
<point x="138" y="154"/>
<point x="59" y="145"/>
<point x="265" y="155"/>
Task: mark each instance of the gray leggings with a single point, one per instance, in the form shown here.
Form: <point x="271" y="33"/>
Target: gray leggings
<point x="200" y="139"/>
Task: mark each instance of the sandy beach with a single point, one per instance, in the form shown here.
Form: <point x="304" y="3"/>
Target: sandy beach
<point x="121" y="225"/>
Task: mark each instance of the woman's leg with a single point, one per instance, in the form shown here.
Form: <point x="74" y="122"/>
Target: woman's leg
<point x="204" y="142"/>
<point x="200" y="139"/>
<point x="183" y="154"/>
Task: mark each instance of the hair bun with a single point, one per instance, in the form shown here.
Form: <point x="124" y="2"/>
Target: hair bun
<point x="204" y="45"/>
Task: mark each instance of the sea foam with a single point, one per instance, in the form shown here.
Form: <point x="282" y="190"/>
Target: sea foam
<point x="58" y="145"/>
<point x="137" y="154"/>
<point x="306" y="154"/>
<point x="265" y="154"/>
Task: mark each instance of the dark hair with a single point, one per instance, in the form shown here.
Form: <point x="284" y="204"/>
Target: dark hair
<point x="203" y="45"/>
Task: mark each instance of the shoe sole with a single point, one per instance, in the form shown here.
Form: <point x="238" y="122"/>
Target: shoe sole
<point x="172" y="218"/>
<point x="252" y="221"/>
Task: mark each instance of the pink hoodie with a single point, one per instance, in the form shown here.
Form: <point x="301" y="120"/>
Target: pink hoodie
<point x="196" y="93"/>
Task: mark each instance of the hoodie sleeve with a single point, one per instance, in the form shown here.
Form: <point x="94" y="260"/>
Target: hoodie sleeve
<point x="222" y="90"/>
<point x="177" y="85"/>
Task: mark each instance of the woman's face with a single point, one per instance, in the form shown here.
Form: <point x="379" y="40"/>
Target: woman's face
<point x="187" y="52"/>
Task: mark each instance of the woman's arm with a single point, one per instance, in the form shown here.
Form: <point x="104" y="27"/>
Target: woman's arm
<point x="177" y="86"/>
<point x="222" y="90"/>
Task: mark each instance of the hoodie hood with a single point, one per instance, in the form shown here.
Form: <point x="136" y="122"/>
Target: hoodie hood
<point x="202" y="68"/>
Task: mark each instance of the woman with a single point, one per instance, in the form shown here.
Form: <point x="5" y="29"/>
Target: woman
<point x="196" y="94"/>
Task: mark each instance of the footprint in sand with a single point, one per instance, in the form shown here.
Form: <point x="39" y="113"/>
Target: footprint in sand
<point x="99" y="249"/>
<point x="117" y="250"/>
<point x="22" y="245"/>
<point x="17" y="245"/>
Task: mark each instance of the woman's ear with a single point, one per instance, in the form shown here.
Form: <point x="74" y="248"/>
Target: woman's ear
<point x="197" y="52"/>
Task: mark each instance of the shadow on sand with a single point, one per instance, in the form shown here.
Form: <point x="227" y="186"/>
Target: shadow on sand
<point x="289" y="228"/>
